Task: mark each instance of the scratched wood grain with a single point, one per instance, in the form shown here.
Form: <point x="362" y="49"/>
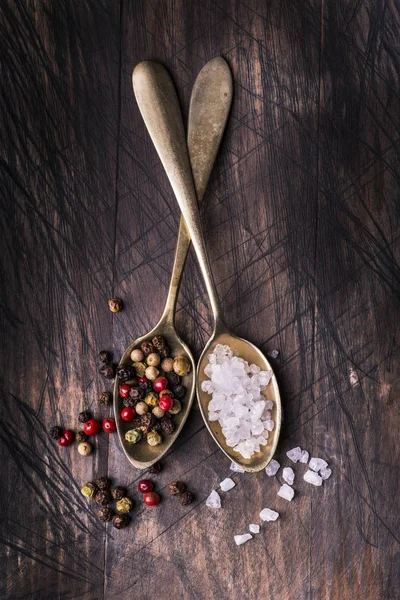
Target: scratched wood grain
<point x="302" y="222"/>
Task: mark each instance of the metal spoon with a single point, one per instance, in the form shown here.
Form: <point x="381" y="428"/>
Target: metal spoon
<point x="208" y="114"/>
<point x="157" y="100"/>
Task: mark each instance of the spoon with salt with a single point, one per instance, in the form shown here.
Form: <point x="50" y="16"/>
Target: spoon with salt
<point x="209" y="109"/>
<point x="158" y="104"/>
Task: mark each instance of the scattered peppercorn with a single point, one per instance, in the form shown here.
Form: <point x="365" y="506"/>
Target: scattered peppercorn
<point x="103" y="497"/>
<point x="125" y="372"/>
<point x="124" y="505"/>
<point x="121" y="521"/>
<point x="89" y="490"/>
<point x="186" y="498"/>
<point x="103" y="483"/>
<point x="55" y="432"/>
<point x="105" y="398"/>
<point x="84" y="448"/>
<point x="84" y="416"/>
<point x="104" y="356"/>
<point x="117" y="492"/>
<point x="155" y="469"/>
<point x="81" y="436"/>
<point x="147" y="348"/>
<point x="176" y="488"/>
<point x="108" y="371"/>
<point x="158" y="342"/>
<point x="105" y="514"/>
<point x="115" y="305"/>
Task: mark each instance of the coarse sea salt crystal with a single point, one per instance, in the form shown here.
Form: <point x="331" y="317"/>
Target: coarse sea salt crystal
<point x="312" y="477"/>
<point x="268" y="515"/>
<point x="235" y="468"/>
<point x="272" y="468"/>
<point x="295" y="454"/>
<point x="304" y="457"/>
<point x="286" y="492"/>
<point x="316" y="464"/>
<point x="213" y="500"/>
<point x="242" y="539"/>
<point x="325" y="473"/>
<point x="288" y="475"/>
<point x="254" y="528"/>
<point x="273" y="353"/>
<point x="227" y="484"/>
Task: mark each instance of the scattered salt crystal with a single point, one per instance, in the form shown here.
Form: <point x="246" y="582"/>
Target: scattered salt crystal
<point x="316" y="464"/>
<point x="295" y="454"/>
<point x="288" y="475"/>
<point x="213" y="500"/>
<point x="268" y="515"/>
<point x="273" y="353"/>
<point x="304" y="456"/>
<point x="253" y="528"/>
<point x="286" y="492"/>
<point x="227" y="484"/>
<point x="325" y="473"/>
<point x="235" y="468"/>
<point x="313" y="478"/>
<point x="242" y="539"/>
<point x="272" y="468"/>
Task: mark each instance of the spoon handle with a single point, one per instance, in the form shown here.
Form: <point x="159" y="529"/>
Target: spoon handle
<point x="210" y="103"/>
<point x="158" y="103"/>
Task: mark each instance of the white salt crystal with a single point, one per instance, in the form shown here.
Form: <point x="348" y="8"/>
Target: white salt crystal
<point x="227" y="484"/>
<point x="268" y="515"/>
<point x="235" y="468"/>
<point x="272" y="468"/>
<point x="273" y="353"/>
<point x="253" y="528"/>
<point x="316" y="464"/>
<point x="304" y="456"/>
<point x="313" y="478"/>
<point x="294" y="454"/>
<point x="286" y="492"/>
<point x="325" y="473"/>
<point x="242" y="539"/>
<point x="213" y="500"/>
<point x="288" y="475"/>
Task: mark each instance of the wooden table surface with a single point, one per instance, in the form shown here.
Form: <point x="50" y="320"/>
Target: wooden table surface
<point x="301" y="219"/>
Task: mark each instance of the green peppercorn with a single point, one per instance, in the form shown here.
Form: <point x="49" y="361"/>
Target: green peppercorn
<point x="154" y="438"/>
<point x="140" y="368"/>
<point x="124" y="505"/>
<point x="181" y="365"/>
<point x="175" y="408"/>
<point x="89" y="490"/>
<point x="133" y="436"/>
<point x="151" y="399"/>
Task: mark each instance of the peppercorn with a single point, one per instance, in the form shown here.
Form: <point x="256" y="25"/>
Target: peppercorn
<point x="176" y="488"/>
<point x="84" y="416"/>
<point x="158" y="342"/>
<point x="173" y="378"/>
<point x="147" y="422"/>
<point x="175" y="408"/>
<point x="153" y="438"/>
<point x="137" y="393"/>
<point x="115" y="305"/>
<point x="103" y="497"/>
<point x="153" y="359"/>
<point x="158" y="412"/>
<point x="147" y="348"/>
<point x="141" y="408"/>
<point x="140" y="368"/>
<point x="121" y="521"/>
<point x="167" y="425"/>
<point x="182" y="365"/>
<point x="117" y="492"/>
<point x="152" y="373"/>
<point x="81" y="436"/>
<point x="151" y="399"/>
<point x="103" y="483"/>
<point x="179" y="391"/>
<point x="55" y="432"/>
<point x="89" y="490"/>
<point x="146" y="385"/>
<point x="125" y="372"/>
<point x="108" y="371"/>
<point x="165" y="393"/>
<point x="84" y="448"/>
<point x="167" y="365"/>
<point x="105" y="398"/>
<point x="186" y="498"/>
<point x="133" y="436"/>
<point x="105" y="514"/>
<point x="104" y="356"/>
<point x="164" y="352"/>
<point x="124" y="505"/>
<point x="155" y="469"/>
<point x="137" y="355"/>
<point x="157" y="427"/>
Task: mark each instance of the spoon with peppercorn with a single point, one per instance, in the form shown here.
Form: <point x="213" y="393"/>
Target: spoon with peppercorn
<point x="155" y="383"/>
<point x="158" y="104"/>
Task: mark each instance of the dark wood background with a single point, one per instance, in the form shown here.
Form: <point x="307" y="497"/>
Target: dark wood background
<point x="301" y="219"/>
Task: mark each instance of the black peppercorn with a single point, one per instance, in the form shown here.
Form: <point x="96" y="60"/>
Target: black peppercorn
<point x="108" y="371"/>
<point x="84" y="416"/>
<point x="105" y="514"/>
<point x="105" y="398"/>
<point x="158" y="342"/>
<point x="186" y="498"/>
<point x="121" y="521"/>
<point x="81" y="436"/>
<point x="129" y="402"/>
<point x="104" y="356"/>
<point x="147" y="348"/>
<point x="164" y="352"/>
<point x="173" y="378"/>
<point x="176" y="488"/>
<point x="146" y="386"/>
<point x="147" y="423"/>
<point x="167" y="425"/>
<point x="155" y="469"/>
<point x="157" y="427"/>
<point x="125" y="372"/>
<point x="103" y="483"/>
<point x="55" y="432"/>
<point x="118" y="492"/>
<point x="137" y="393"/>
<point x="103" y="497"/>
<point x="179" y="391"/>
